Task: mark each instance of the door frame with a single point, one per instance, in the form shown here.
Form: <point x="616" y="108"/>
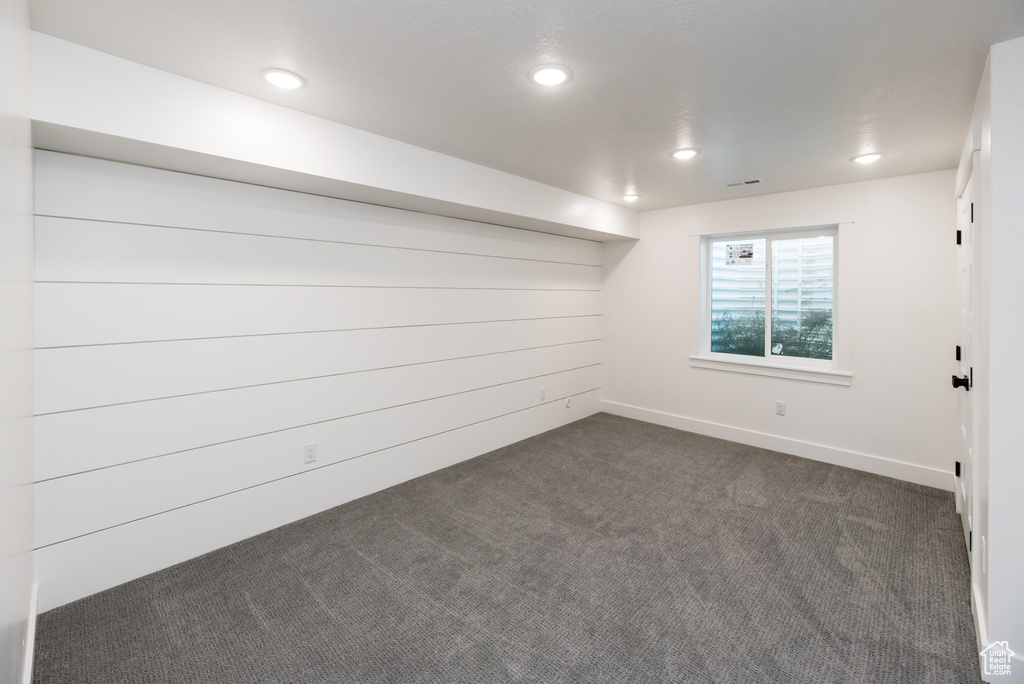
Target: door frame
<point x="965" y="483"/>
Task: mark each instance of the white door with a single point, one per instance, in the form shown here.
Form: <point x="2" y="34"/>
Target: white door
<point x="963" y="366"/>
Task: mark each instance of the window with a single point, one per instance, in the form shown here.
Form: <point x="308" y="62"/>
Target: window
<point x="769" y="300"/>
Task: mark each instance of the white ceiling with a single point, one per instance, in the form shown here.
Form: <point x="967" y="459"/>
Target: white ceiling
<point x="785" y="90"/>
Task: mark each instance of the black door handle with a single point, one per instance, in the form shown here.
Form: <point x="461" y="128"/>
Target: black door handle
<point x="964" y="382"/>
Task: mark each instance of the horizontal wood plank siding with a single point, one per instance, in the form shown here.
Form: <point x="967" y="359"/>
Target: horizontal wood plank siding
<point x="193" y="334"/>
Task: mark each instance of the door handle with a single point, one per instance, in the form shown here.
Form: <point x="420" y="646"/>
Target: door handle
<point x="964" y="382"/>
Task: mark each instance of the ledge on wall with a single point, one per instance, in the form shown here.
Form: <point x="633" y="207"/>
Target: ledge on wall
<point x="93" y="104"/>
<point x="57" y="138"/>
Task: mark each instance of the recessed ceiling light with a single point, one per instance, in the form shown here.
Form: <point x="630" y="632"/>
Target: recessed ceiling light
<point x="867" y="158"/>
<point x="283" y="79"/>
<point x="688" y="153"/>
<point x="550" y="74"/>
<point x="631" y="198"/>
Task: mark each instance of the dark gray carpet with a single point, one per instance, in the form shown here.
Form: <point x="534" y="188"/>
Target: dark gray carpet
<point x="606" y="551"/>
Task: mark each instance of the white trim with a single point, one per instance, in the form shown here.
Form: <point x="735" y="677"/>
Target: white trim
<point x="965" y="172"/>
<point x="30" y="636"/>
<point x="828" y="376"/>
<point x="879" y="465"/>
<point x="757" y="223"/>
<point x="981" y="634"/>
<point x="789" y="232"/>
<point x="971" y="145"/>
<point x="980" y="624"/>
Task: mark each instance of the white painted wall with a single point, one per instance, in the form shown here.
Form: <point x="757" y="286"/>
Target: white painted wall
<point x="95" y="104"/>
<point x="999" y="496"/>
<point x="16" y="613"/>
<point x="193" y="334"/>
<point x="898" y="416"/>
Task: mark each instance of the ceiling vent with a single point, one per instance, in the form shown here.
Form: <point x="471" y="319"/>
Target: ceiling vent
<point x="749" y="181"/>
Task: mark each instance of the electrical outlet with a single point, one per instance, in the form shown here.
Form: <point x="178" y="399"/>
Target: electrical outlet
<point x="780" y="408"/>
<point x="309" y="452"/>
<point x="543" y="393"/>
<point x="568" y="402"/>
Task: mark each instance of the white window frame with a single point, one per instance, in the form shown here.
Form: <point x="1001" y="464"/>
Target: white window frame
<point x="836" y="371"/>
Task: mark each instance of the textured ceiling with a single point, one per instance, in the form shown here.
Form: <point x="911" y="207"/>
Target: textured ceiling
<point x="787" y="90"/>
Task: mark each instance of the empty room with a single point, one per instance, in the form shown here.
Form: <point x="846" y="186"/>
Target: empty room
<point x="511" y="341"/>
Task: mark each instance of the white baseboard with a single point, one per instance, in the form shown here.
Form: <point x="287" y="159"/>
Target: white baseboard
<point x="30" y="637"/>
<point x="981" y="633"/>
<point x="978" y="612"/>
<point x="980" y="623"/>
<point x="900" y="470"/>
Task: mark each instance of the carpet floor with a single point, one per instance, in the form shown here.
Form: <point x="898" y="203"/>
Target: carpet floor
<point x="608" y="550"/>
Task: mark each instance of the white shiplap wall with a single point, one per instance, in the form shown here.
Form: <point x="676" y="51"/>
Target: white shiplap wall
<point x="193" y="334"/>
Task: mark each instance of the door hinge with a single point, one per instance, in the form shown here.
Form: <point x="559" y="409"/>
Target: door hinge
<point x="959" y="237"/>
<point x="972" y="377"/>
<point x="958" y="469"/>
<point x="972" y="212"/>
<point x="958" y="352"/>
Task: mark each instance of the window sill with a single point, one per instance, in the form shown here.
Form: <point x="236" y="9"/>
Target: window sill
<point x="826" y="376"/>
